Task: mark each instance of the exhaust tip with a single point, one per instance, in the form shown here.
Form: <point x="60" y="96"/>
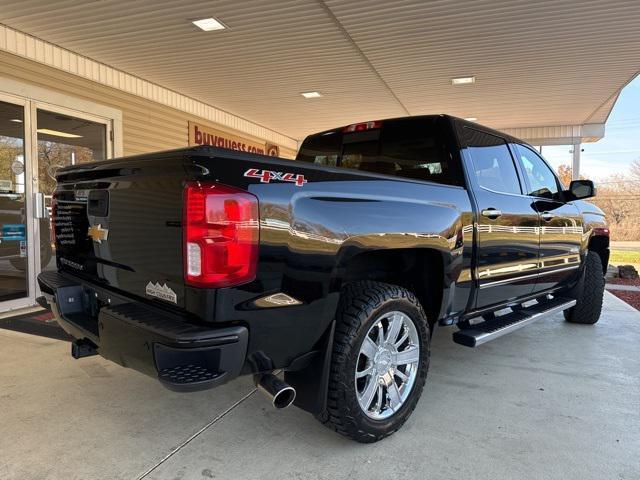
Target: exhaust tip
<point x="280" y="393"/>
<point x="284" y="397"/>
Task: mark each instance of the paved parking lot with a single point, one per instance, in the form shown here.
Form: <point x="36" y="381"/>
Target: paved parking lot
<point x="551" y="401"/>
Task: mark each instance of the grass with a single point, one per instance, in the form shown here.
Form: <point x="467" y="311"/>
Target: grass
<point x="620" y="257"/>
<point x="623" y="257"/>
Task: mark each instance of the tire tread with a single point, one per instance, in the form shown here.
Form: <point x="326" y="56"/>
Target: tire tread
<point x="358" y="302"/>
<point x="589" y="293"/>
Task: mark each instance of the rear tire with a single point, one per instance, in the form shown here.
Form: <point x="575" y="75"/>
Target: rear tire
<point x="368" y="339"/>
<point x="588" y="293"/>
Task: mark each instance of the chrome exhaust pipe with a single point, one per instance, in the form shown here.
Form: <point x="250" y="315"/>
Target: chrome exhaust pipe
<point x="280" y="393"/>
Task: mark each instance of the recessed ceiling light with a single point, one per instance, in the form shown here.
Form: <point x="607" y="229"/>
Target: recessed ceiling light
<point x="15" y="120"/>
<point x="471" y="119"/>
<point x="208" y="24"/>
<point x="311" y="94"/>
<point x="56" y="133"/>
<point x="463" y="80"/>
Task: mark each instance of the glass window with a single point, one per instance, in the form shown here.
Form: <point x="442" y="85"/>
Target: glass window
<point x="416" y="149"/>
<point x="542" y="181"/>
<point x="410" y="147"/>
<point x="492" y="162"/>
<point x="63" y="140"/>
<point x="13" y="220"/>
<point x="322" y="149"/>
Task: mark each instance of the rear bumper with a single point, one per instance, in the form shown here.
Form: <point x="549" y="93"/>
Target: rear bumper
<point x="183" y="356"/>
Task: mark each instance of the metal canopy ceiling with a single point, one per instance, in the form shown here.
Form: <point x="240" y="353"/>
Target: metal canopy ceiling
<point x="537" y="63"/>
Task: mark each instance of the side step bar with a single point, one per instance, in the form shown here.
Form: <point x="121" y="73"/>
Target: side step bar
<point x="492" y="329"/>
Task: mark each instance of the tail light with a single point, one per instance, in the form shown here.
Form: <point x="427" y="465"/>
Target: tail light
<point x="221" y="235"/>
<point x="601" y="231"/>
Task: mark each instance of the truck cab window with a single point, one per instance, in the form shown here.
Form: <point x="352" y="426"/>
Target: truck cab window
<point x="322" y="149"/>
<point x="415" y="149"/>
<point x="492" y="162"/>
<point x="410" y="147"/>
<point x="542" y="181"/>
<point x="360" y="152"/>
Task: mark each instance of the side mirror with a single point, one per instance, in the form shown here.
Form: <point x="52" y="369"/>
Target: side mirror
<point x="579" y="189"/>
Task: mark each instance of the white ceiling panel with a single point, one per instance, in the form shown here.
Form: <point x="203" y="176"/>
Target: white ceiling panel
<point x="536" y="63"/>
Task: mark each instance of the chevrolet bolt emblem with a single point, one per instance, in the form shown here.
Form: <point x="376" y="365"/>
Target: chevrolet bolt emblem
<point x="98" y="233"/>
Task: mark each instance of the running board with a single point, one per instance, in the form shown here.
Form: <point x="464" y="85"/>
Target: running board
<point x="491" y="329"/>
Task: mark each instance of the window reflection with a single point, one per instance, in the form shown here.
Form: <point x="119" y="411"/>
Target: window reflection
<point x="13" y="232"/>
<point x="62" y="141"/>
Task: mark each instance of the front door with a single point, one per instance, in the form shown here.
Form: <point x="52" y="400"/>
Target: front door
<point x="35" y="141"/>
<point x="561" y="226"/>
<point x="507" y="222"/>
<point x="16" y="232"/>
<point x="63" y="138"/>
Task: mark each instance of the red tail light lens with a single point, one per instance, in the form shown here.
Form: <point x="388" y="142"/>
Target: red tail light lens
<point x="221" y="235"/>
<point x="601" y="231"/>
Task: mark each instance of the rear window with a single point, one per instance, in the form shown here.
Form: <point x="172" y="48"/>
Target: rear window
<point x="411" y="148"/>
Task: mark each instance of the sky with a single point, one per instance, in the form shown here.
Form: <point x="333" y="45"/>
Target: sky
<point x="620" y="145"/>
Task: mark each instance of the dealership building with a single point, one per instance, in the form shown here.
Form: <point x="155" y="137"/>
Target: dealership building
<point x="80" y="86"/>
<point x="87" y="81"/>
<point x="58" y="108"/>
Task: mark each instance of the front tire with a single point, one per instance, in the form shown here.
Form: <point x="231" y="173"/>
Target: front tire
<point x="588" y="293"/>
<point x="379" y="362"/>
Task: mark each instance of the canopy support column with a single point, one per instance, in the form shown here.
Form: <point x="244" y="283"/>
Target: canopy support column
<point x="575" y="164"/>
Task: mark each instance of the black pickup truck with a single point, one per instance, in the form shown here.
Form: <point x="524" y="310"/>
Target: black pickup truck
<point x="198" y="265"/>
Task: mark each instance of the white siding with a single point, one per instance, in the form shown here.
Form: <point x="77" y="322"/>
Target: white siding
<point x="147" y="125"/>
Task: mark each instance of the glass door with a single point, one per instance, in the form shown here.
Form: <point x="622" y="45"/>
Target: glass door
<point x="16" y="264"/>
<point x="63" y="138"/>
<point x="37" y="139"/>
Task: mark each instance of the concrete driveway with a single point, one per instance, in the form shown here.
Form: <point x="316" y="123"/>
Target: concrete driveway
<point x="551" y="401"/>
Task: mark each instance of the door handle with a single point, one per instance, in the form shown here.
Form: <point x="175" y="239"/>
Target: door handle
<point x="39" y="208"/>
<point x="546" y="216"/>
<point x="491" y="213"/>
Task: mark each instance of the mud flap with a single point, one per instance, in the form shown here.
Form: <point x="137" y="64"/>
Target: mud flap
<point x="312" y="382"/>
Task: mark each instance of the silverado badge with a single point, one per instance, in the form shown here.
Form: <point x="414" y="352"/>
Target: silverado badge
<point x="98" y="233"/>
<point x="163" y="292"/>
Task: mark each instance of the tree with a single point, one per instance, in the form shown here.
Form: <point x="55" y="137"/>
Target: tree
<point x="565" y="174"/>
<point x="11" y="149"/>
<point x="54" y="155"/>
<point x="618" y="197"/>
<point x="635" y="170"/>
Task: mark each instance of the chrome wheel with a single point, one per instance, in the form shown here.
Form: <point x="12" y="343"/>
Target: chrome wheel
<point x="387" y="365"/>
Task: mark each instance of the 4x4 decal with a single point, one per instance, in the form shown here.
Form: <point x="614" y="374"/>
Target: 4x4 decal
<point x="267" y="176"/>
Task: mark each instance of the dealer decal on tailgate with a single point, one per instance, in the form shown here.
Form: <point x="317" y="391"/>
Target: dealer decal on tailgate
<point x="267" y="176"/>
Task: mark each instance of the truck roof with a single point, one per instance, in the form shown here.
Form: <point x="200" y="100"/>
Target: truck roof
<point x="452" y="118"/>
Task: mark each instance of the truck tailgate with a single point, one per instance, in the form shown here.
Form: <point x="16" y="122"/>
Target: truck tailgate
<point x="119" y="224"/>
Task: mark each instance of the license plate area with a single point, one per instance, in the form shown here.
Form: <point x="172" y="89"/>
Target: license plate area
<point x="80" y="306"/>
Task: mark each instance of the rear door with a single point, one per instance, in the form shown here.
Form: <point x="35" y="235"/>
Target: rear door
<point x="561" y="225"/>
<point x="507" y="221"/>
